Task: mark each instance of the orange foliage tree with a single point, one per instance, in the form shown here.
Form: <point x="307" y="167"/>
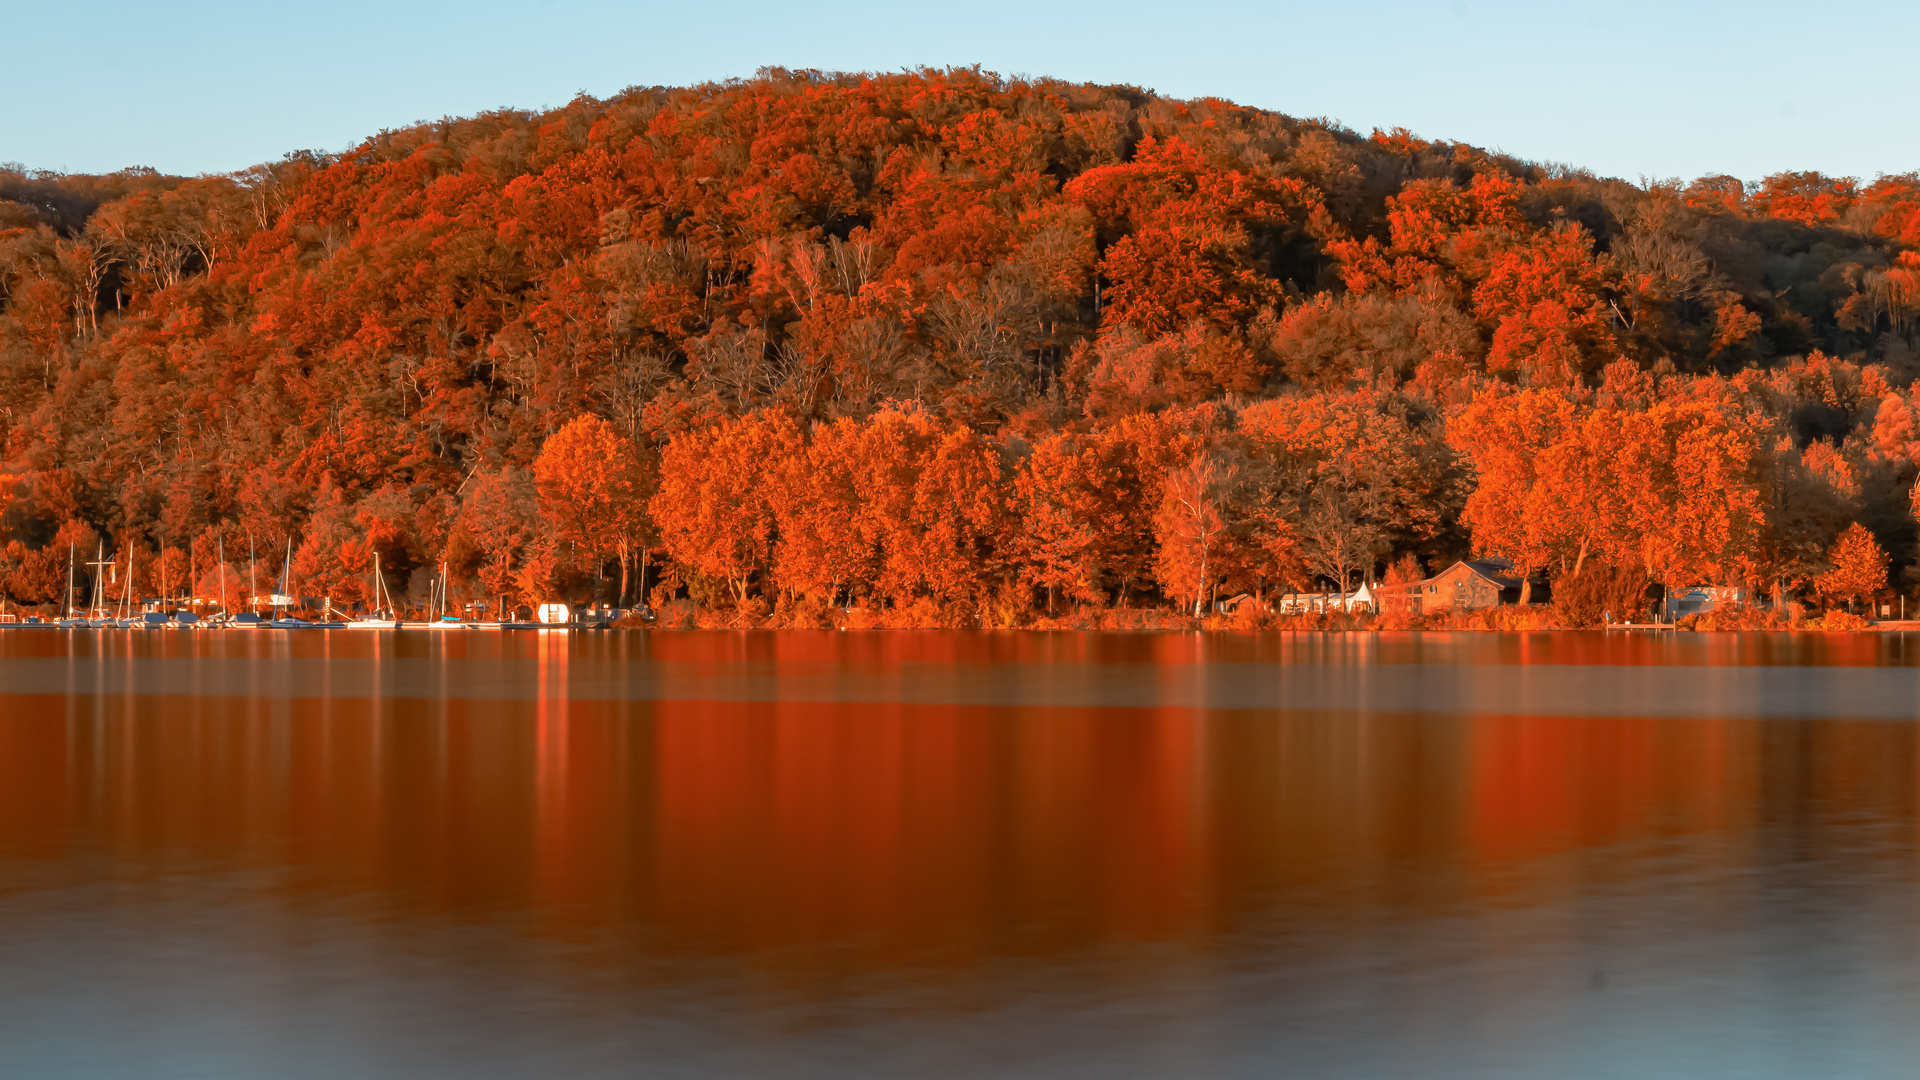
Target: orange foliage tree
<point x="1192" y="530"/>
<point x="714" y="507"/>
<point x="496" y="530"/>
<point x="1059" y="498"/>
<point x="827" y="544"/>
<point x="1857" y="567"/>
<point x="1517" y="510"/>
<point x="592" y="487"/>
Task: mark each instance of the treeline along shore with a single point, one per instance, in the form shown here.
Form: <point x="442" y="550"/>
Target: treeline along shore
<point x="945" y="349"/>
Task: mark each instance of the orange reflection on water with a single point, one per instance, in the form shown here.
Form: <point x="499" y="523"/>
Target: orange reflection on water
<point x="889" y="832"/>
<point x="1544" y="785"/>
<point x="788" y="822"/>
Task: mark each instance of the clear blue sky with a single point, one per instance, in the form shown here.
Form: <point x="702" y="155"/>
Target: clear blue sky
<point x="1627" y="89"/>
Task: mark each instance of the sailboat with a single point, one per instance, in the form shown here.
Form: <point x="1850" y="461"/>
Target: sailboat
<point x="220" y="552"/>
<point x="161" y="619"/>
<point x="97" y="615"/>
<point x="124" y="609"/>
<point x="446" y="620"/>
<point x="282" y="621"/>
<point x="249" y="619"/>
<point x="68" y="620"/>
<point x="382" y="617"/>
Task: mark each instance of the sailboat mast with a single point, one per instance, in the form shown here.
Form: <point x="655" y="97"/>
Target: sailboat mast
<point x="69" y="612"/>
<point x="222" y="552"/>
<point x="286" y="572"/>
<point x="99" y="579"/>
<point x="380" y="599"/>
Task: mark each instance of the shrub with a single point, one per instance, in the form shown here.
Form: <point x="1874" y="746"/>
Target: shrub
<point x="1251" y="616"/>
<point x="1735" y="618"/>
<point x="1009" y="607"/>
<point x="921" y="613"/>
<point x="1144" y="619"/>
<point x="1838" y="620"/>
<point x="680" y="614"/>
<point x="803" y="613"/>
<point x="1399" y="617"/>
<point x="1579" y="600"/>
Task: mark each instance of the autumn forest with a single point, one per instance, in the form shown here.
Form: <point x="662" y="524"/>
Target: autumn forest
<point x="946" y="349"/>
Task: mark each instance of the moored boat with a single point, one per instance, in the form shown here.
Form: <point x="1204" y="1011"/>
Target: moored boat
<point x="288" y="622"/>
<point x="69" y="620"/>
<point x="382" y="618"/>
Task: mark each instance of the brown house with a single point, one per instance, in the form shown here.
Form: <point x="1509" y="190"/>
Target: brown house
<point x="1470" y="585"/>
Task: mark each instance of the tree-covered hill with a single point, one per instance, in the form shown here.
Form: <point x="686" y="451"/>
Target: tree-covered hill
<point x="948" y="340"/>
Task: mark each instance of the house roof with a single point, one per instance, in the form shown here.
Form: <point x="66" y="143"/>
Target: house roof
<point x="1498" y="571"/>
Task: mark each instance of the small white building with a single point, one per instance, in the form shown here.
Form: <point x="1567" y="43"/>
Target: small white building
<point x="1361" y="599"/>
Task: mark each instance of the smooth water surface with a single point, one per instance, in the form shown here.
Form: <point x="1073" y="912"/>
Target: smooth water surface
<point x="476" y="855"/>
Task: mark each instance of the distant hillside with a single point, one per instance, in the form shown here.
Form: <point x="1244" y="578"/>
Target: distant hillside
<point x="368" y="350"/>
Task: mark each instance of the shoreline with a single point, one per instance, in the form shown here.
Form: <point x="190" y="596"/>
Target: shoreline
<point x="1123" y="620"/>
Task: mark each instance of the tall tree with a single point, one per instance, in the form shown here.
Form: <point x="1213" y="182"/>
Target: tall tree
<point x="1857" y="567"/>
<point x="1192" y="530"/>
<point x="714" y="508"/>
<point x="593" y="489"/>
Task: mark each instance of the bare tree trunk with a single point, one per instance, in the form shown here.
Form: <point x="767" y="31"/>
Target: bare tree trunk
<point x="1206" y="581"/>
<point x="625" y="555"/>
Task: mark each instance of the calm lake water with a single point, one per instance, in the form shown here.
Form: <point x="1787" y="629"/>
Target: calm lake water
<point x="472" y="855"/>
